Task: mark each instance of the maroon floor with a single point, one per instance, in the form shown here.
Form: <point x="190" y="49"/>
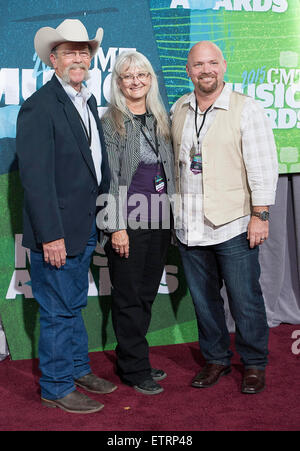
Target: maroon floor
<point x="179" y="408"/>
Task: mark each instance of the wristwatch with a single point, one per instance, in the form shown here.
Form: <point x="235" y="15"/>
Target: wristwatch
<point x="263" y="215"/>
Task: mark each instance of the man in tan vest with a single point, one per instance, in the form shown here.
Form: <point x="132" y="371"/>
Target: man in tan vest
<point x="226" y="174"/>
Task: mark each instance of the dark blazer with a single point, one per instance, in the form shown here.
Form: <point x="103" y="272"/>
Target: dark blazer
<point x="57" y="170"/>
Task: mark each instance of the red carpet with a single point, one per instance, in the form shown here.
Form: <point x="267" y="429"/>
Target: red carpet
<point x="178" y="408"/>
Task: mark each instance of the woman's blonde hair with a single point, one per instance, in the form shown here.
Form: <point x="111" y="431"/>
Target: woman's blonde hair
<point x="118" y="110"/>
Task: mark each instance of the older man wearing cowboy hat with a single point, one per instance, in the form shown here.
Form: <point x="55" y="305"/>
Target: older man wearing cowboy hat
<point x="63" y="168"/>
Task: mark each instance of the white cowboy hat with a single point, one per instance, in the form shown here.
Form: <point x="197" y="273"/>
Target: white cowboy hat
<point x="70" y="30"/>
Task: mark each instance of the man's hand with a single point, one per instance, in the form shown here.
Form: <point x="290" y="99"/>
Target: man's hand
<point x="120" y="243"/>
<point x="258" y="230"/>
<point x="55" y="252"/>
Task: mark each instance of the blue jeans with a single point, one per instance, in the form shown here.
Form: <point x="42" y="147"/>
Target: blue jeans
<point x="237" y="264"/>
<point x="63" y="345"/>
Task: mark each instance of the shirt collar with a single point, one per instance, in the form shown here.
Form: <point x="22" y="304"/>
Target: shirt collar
<point x="130" y="116"/>
<point x="72" y="93"/>
<point x="221" y="102"/>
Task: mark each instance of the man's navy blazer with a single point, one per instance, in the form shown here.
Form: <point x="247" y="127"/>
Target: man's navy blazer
<point x="57" y="170"/>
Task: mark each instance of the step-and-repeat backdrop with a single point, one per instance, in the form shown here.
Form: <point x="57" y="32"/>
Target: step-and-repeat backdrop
<point x="260" y="40"/>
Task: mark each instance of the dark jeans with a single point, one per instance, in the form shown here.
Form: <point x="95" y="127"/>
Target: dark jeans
<point x="63" y="345"/>
<point x="234" y="262"/>
<point x="135" y="283"/>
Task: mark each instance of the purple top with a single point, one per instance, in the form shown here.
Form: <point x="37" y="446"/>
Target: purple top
<point x="139" y="207"/>
<point x="145" y="204"/>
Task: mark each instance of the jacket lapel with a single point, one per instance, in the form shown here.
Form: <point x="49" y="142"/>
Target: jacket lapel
<point x="75" y="124"/>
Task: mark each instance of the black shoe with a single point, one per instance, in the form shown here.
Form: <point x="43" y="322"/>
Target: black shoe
<point x="148" y="387"/>
<point x="158" y="375"/>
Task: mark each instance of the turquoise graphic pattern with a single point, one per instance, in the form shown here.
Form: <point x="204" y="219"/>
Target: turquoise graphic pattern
<point x="176" y="30"/>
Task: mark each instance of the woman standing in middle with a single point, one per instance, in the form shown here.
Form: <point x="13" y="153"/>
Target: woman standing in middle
<point x="136" y="130"/>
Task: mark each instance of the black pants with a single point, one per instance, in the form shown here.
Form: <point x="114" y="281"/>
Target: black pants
<point x="135" y="283"/>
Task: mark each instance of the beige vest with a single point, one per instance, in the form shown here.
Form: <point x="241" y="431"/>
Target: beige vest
<point x="226" y="194"/>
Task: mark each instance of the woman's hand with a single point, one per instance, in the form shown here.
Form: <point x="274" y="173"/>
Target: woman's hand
<point x="120" y="243"/>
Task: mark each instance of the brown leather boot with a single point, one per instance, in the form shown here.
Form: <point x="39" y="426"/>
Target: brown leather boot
<point x="95" y="384"/>
<point x="210" y="375"/>
<point x="74" y="402"/>
<point x="253" y="381"/>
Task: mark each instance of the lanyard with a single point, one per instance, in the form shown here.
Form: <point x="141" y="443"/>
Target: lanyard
<point x="148" y="140"/>
<point x="159" y="182"/>
<point x="87" y="133"/>
<point x="196" y="116"/>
